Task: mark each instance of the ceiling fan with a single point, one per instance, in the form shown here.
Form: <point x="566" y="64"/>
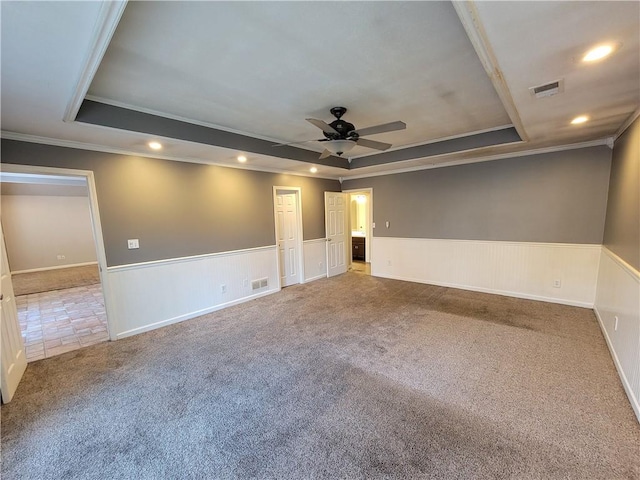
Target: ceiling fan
<point x="341" y="136"/>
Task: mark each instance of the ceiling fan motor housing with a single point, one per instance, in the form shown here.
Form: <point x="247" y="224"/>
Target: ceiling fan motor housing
<point x="340" y="126"/>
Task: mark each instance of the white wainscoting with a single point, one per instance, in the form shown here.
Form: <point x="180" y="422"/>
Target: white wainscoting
<point x="524" y="270"/>
<point x="315" y="259"/>
<point x="618" y="295"/>
<point x="150" y="295"/>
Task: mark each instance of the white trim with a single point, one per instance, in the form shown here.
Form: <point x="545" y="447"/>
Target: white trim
<point x="635" y="274"/>
<point x="505" y="293"/>
<point x="194" y="314"/>
<point x="499" y="156"/>
<point x="627" y="124"/>
<point x="169" y="261"/>
<point x="21" y="137"/>
<point x="108" y="19"/>
<point x="95" y="223"/>
<point x="299" y="232"/>
<point x="502" y="242"/>
<point x="57" y="267"/>
<point x="635" y="404"/>
<point x="369" y="235"/>
<point x="317" y="277"/>
<point x="475" y="31"/>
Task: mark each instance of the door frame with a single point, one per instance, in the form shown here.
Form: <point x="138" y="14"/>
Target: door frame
<point x="299" y="239"/>
<point x="95" y="223"/>
<point x="369" y="233"/>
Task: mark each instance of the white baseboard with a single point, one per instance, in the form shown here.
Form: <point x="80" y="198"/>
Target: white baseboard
<point x="618" y="296"/>
<point x="317" y="277"/>
<point x="516" y="269"/>
<point x="57" y="267"/>
<point x="506" y="293"/>
<point x="194" y="314"/>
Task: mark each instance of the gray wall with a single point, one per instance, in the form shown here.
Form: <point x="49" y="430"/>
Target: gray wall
<point x="178" y="209"/>
<point x="557" y="197"/>
<point x="622" y="227"/>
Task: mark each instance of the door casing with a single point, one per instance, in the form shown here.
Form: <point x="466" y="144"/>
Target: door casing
<point x="95" y="223"/>
<point x="299" y="232"/>
<point x="369" y="232"/>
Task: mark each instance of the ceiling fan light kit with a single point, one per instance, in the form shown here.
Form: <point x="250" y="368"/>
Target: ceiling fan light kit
<point x="339" y="147"/>
<point x="341" y="136"/>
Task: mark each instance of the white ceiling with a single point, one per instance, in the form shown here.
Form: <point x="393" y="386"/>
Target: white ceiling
<point x="261" y="68"/>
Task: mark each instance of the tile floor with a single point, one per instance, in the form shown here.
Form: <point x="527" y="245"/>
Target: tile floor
<point x="361" y="267"/>
<point x="61" y="320"/>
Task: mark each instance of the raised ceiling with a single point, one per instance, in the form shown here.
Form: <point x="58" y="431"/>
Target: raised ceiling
<point x="215" y="79"/>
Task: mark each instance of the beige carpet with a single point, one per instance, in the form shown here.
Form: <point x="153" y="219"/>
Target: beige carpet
<point x="58" y="279"/>
<point x="349" y="377"/>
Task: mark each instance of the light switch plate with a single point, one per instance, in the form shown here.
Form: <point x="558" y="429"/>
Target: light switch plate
<point x="133" y="243"/>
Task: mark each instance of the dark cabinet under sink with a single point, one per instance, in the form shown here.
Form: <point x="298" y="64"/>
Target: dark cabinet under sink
<point x="358" y="248"/>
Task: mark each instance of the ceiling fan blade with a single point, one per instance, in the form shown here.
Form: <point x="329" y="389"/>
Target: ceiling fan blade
<point x="295" y="143"/>
<point x="364" y="142"/>
<point x="324" y="126"/>
<point x="325" y="154"/>
<point x="385" y="127"/>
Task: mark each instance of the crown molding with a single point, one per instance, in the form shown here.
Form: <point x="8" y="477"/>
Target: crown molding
<point x="108" y="19"/>
<point x="500" y="156"/>
<point x="632" y="118"/>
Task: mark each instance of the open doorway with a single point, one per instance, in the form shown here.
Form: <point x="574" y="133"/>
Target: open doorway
<point x="361" y="229"/>
<point x="53" y="258"/>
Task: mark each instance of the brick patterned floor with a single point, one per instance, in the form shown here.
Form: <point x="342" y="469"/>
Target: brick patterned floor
<point x="62" y="320"/>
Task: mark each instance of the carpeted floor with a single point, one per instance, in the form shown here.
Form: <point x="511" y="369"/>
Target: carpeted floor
<point x="348" y="377"/>
<point x="57" y="279"/>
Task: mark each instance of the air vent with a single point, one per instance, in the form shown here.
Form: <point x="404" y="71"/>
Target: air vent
<point x="260" y="283"/>
<point x="548" y="89"/>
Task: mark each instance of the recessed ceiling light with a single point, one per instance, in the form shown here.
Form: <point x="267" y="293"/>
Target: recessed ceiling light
<point x="242" y="159"/>
<point x="579" y="120"/>
<point x="155" y="145"/>
<point x="598" y="53"/>
<point x="313" y="169"/>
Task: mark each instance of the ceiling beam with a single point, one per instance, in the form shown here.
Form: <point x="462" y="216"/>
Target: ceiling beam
<point x="468" y="15"/>
<point x="108" y="19"/>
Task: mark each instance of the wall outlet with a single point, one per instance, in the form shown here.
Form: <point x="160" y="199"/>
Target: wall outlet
<point x="319" y="266"/>
<point x="615" y="323"/>
<point x="557" y="283"/>
<point x="387" y="224"/>
<point x="373" y="225"/>
<point x="223" y="289"/>
<point x="61" y="257"/>
<point x="388" y="263"/>
<point x="245" y="283"/>
<point x="133" y="243"/>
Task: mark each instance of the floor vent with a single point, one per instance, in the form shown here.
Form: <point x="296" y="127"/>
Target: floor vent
<point x="548" y="89"/>
<point x="260" y="283"/>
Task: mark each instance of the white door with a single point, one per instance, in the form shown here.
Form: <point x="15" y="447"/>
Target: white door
<point x="287" y="237"/>
<point x="12" y="354"/>
<point x="335" y="216"/>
